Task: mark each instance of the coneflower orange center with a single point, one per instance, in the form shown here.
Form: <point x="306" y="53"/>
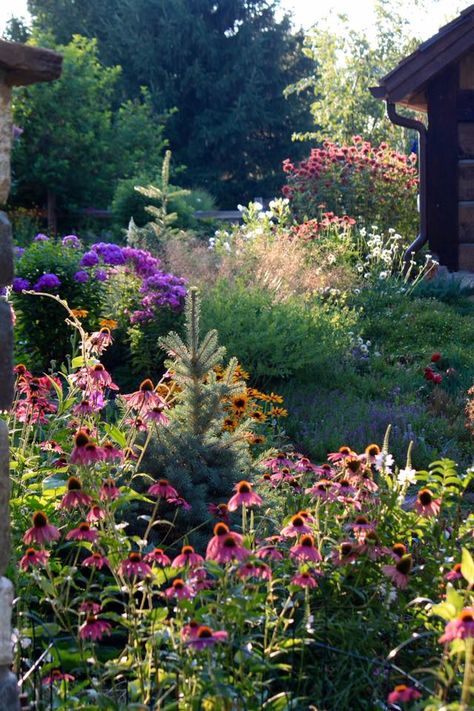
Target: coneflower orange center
<point x="425" y="497"/>
<point x="220" y="529"/>
<point x="204" y="632"/>
<point x="146" y="385"/>
<point x="40" y="520"/>
<point x="74" y="484"/>
<point x="81" y="439"/>
<point x="178" y="584"/>
<point x="134" y="557"/>
<point x="404" y="564"/>
<point x="399" y="549"/>
<point x="84" y="527"/>
<point x="244" y="487"/>
<point x="187" y="550"/>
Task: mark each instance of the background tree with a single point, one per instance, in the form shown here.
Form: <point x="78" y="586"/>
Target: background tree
<point x="346" y="63"/>
<point x="223" y="65"/>
<point x="74" y="147"/>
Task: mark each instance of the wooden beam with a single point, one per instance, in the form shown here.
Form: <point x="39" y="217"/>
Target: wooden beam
<point x="23" y="64"/>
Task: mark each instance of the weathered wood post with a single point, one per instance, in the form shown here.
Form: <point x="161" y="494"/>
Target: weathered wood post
<point x="19" y="65"/>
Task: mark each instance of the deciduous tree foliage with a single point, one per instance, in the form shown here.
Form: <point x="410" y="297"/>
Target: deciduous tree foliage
<point x="223" y="65"/>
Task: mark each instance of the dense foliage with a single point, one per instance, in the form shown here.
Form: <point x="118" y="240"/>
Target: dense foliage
<point x="222" y="65"/>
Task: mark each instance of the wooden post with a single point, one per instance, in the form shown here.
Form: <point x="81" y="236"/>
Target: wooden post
<point x="19" y="64"/>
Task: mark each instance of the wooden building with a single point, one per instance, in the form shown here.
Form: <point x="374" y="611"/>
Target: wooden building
<point x="438" y="79"/>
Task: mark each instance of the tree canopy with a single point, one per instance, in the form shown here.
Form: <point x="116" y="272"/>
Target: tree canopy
<point x="222" y="65"/>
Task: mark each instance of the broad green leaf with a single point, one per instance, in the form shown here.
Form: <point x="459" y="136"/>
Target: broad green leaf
<point x="467" y="566"/>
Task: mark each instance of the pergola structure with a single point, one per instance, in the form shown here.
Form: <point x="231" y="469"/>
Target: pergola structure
<point x="438" y="80"/>
<point x="19" y="65"/>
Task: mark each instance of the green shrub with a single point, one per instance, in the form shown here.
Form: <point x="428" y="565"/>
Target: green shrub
<point x="291" y="338"/>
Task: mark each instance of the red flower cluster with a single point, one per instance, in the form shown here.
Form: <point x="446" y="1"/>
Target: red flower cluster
<point x="358" y="179"/>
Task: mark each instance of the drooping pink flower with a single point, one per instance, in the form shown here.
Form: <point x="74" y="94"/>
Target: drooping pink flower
<point x="157" y="555"/>
<point x="82" y="533"/>
<point x="163" y="489"/>
<point x="89" y="606"/>
<point x="462" y="627"/>
<point x="187" y="557"/>
<point x="135" y="566"/>
<point x="189" y="631"/>
<point x="99" y="376"/>
<point x="75" y="496"/>
<point x="269" y="551"/>
<point x="205" y="637"/>
<point x="56" y="675"/>
<point x="93" y="628"/>
<point x="341" y="453"/>
<point x="345" y="553"/>
<point x="254" y="569"/>
<point x="100" y="340"/>
<point x="360" y="527"/>
<point x="280" y="460"/>
<point x="220" y="511"/>
<point x="145" y="398"/>
<point x="95" y="514"/>
<point x="454" y="573"/>
<point x="42" y="531"/>
<point x="157" y="415"/>
<point x="85" y="450"/>
<point x="33" y="558"/>
<point x="295" y="527"/>
<point x="304" y="580"/>
<point x="372" y="547"/>
<point x="244" y="495"/>
<point x="305" y="549"/>
<point x="111" y="453"/>
<point x="426" y="504"/>
<point x="402" y="694"/>
<point x="399" y="572"/>
<point x="323" y="489"/>
<point x="221" y="530"/>
<point x="51" y="446"/>
<point x="109" y="491"/>
<point x="180" y="590"/>
<point x="230" y="549"/>
<point x="96" y="560"/>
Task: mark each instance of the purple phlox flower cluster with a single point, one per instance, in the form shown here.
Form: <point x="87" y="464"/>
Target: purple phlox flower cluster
<point x="71" y="241"/>
<point x="47" y="282"/>
<point x="19" y="284"/>
<point x="89" y="259"/>
<point x="145" y="265"/>
<point x="40" y="237"/>
<point x="81" y="276"/>
<point x="100" y="275"/>
<point x="19" y="251"/>
<point x="109" y="252"/>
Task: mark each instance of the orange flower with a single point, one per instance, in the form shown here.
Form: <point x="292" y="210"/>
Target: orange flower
<point x="108" y="323"/>
<point x="278" y="412"/>
<point x="79" y="313"/>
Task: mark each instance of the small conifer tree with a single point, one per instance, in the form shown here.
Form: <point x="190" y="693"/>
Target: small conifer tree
<point x="200" y="459"/>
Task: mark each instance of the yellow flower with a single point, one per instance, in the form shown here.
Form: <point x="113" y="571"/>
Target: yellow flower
<point x="278" y="412"/>
<point x="258" y="415"/>
<point x="239" y="402"/>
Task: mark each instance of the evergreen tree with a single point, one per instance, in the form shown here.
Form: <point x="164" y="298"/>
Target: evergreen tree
<point x="223" y="65"/>
<point x="200" y="459"/>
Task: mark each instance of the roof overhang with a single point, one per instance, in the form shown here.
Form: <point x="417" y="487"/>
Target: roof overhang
<point x="23" y="64"/>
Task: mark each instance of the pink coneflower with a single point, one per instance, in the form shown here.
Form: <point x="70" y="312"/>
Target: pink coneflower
<point x="243" y="495"/>
<point x="95" y="514"/>
<point x="295" y="527"/>
<point x="187" y="557"/>
<point x="110" y="452"/>
<point x="304" y="580"/>
<point x="426" y="504"/>
<point x="269" y="551"/>
<point x="84" y="407"/>
<point x="85" y="450"/>
<point x="324" y="489"/>
<point x="96" y="560"/>
<point x="280" y="460"/>
<point x="145" y="398"/>
<point x="180" y="590"/>
<point x="163" y="489"/>
<point x="156" y="415"/>
<point x="180" y="502"/>
<point x="341" y="453"/>
<point x="33" y="558"/>
<point x="360" y="527"/>
<point x="221" y="530"/>
<point x="255" y="569"/>
<point x="305" y="465"/>
<point x="157" y="555"/>
<point x="371" y="451"/>
<point x="399" y="572"/>
<point x="305" y="549"/>
<point x="109" y="490"/>
<point x="345" y="553"/>
<point x="345" y="490"/>
<point x="220" y="511"/>
<point x="89" y="606"/>
<point x="56" y="675"/>
<point x="51" y="446"/>
<point x="82" y="533"/>
<point x="100" y="340"/>
<point x="454" y="574"/>
<point x="42" y="531"/>
<point x="135" y="566"/>
<point x="199" y="579"/>
<point x="230" y="549"/>
<point x="93" y="628"/>
<point x="136" y="423"/>
<point x="402" y="693"/>
<point x="205" y="637"/>
<point x="98" y="374"/>
<point x="398" y="550"/>
<point x="371" y="546"/>
<point x="75" y="495"/>
<point x="189" y="631"/>
<point x="460" y="628"/>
